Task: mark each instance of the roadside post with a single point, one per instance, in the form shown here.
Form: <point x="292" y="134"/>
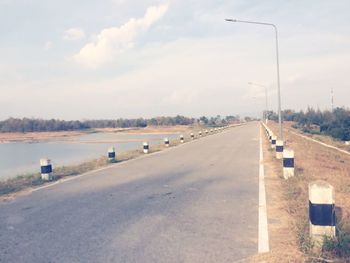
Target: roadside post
<point x="46" y="169"/>
<point x="111" y="154"/>
<point x="288" y="163"/>
<point x="182" y="138"/>
<point x="279" y="149"/>
<point x="192" y="136"/>
<point x="273" y="141"/>
<point x="145" y="147"/>
<point x="200" y="133"/>
<point x="321" y="212"/>
<point x="166" y="142"/>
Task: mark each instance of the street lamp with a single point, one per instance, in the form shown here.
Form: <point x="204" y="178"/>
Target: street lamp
<point x="278" y="67"/>
<point x="266" y="107"/>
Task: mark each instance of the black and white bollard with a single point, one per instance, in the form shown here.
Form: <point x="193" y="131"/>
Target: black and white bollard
<point x="273" y="141"/>
<point x="182" y="139"/>
<point x="279" y="149"/>
<point x="192" y="136"/>
<point x="200" y="133"/>
<point x="145" y="147"/>
<point x="46" y="169"/>
<point x="206" y="132"/>
<point x="166" y="142"/>
<point x="111" y="154"/>
<point x="321" y="211"/>
<point x="288" y="163"/>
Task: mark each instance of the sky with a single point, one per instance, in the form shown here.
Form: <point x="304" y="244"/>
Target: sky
<point x="97" y="59"/>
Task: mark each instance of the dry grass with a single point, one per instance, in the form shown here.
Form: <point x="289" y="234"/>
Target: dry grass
<point x="315" y="162"/>
<point x="322" y="138"/>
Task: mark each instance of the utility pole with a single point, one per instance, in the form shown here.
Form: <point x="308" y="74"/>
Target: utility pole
<point x="332" y="99"/>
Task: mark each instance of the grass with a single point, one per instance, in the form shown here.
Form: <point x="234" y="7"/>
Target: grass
<point x="315" y="162"/>
<point x="26" y="181"/>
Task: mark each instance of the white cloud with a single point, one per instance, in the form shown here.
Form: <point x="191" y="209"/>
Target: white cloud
<point x="73" y="34"/>
<point x="115" y="40"/>
<point x="48" y="45"/>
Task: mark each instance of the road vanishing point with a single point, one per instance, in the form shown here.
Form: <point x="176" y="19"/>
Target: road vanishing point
<point x="197" y="202"/>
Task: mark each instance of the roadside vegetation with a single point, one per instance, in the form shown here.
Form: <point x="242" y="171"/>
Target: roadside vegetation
<point x="41" y="125"/>
<point x="334" y="123"/>
<point x="316" y="162"/>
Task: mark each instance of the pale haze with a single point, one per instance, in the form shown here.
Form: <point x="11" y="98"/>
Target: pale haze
<point x="119" y="58"/>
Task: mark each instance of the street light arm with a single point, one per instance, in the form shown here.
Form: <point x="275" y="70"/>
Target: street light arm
<point x="277" y="64"/>
<point x="256" y="84"/>
<point x="251" y="22"/>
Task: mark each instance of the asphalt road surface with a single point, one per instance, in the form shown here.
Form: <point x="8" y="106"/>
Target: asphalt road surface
<point x="194" y="203"/>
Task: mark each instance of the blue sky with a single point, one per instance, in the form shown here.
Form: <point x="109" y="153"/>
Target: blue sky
<point x="127" y="58"/>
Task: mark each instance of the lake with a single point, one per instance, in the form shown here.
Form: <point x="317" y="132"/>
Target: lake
<point x="18" y="158"/>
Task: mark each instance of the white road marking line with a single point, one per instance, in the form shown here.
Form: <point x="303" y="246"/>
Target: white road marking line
<point x="322" y="143"/>
<point x="263" y="238"/>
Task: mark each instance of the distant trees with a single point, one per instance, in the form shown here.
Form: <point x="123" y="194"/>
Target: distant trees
<point x="38" y="125"/>
<point x="334" y="123"/>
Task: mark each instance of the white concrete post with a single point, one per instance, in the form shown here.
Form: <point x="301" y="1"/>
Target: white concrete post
<point x="192" y="136"/>
<point x="200" y="133"/>
<point x="321" y="211"/>
<point x="273" y="141"/>
<point x="46" y="169"/>
<point x="279" y="149"/>
<point x="288" y="163"/>
<point x="182" y="138"/>
<point x="145" y="147"/>
<point x="111" y="154"/>
<point x="206" y="132"/>
<point x="166" y="142"/>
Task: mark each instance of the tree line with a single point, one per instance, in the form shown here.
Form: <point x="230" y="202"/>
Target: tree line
<point x="39" y="125"/>
<point x="334" y="123"/>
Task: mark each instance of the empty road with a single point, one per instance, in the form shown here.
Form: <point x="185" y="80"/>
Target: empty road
<point x="194" y="203"/>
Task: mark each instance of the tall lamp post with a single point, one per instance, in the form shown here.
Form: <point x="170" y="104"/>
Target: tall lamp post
<point x="278" y="67"/>
<point x="266" y="105"/>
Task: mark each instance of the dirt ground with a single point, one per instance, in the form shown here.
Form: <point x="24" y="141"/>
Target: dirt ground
<point x="312" y="162"/>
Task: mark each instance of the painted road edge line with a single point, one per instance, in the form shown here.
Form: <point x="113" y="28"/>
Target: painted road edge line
<point x="263" y="235"/>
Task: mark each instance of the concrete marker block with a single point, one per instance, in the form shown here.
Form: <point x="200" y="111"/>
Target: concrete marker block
<point x="321" y="212"/>
<point x="288" y="163"/>
<point x="279" y="149"/>
<point x="46" y="169"/>
<point x="111" y="154"/>
<point x="145" y="147"/>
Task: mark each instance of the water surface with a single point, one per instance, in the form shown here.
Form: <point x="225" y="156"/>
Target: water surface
<point x="18" y="158"/>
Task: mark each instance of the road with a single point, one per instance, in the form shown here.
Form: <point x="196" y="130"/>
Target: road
<point x="197" y="202"/>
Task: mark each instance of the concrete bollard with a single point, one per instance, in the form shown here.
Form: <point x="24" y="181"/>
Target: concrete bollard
<point x="206" y="132"/>
<point x="288" y="163"/>
<point x="166" y="142"/>
<point x="192" y="136"/>
<point x="321" y="211"/>
<point x="200" y="133"/>
<point x="279" y="149"/>
<point x="182" y="138"/>
<point x="145" y="147"/>
<point x="111" y="154"/>
<point x="273" y="141"/>
<point x="46" y="169"/>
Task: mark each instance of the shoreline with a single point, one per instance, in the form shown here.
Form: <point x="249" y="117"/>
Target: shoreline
<point x="29" y="137"/>
<point x="24" y="184"/>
